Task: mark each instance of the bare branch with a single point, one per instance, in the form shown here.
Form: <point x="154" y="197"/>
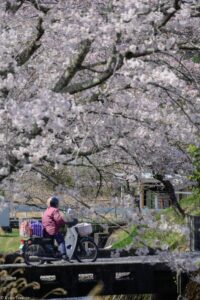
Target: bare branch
<point x="100" y="175"/>
<point x="131" y="155"/>
<point x="177" y="103"/>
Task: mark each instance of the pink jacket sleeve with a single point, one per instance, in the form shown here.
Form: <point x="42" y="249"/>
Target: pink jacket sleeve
<point x="57" y="218"/>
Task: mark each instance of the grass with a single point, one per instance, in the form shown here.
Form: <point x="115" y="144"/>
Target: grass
<point x="170" y="216"/>
<point x="9" y="242"/>
<point x="125" y="238"/>
<point x="173" y="240"/>
<point x="150" y="237"/>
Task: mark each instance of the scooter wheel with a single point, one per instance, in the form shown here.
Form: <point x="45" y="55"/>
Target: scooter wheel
<point x="86" y="251"/>
<point x="33" y="254"/>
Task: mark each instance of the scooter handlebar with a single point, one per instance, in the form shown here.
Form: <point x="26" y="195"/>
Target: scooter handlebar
<point x="72" y="223"/>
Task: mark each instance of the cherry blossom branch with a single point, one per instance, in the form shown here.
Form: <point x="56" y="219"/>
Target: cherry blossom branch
<point x="192" y="77"/>
<point x="14" y="164"/>
<point x="75" y="63"/>
<point x="24" y="55"/>
<point x="14" y="6"/>
<point x="41" y="6"/>
<point x="113" y="64"/>
<point x="188" y="46"/>
<point x="168" y="92"/>
<point x="126" y="117"/>
<point x="78" y="153"/>
<point x="100" y="175"/>
<point x="130" y="54"/>
<point x="168" y="16"/>
<point x="181" y="74"/>
<point x="131" y="155"/>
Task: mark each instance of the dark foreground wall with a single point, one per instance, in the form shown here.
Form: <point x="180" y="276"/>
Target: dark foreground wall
<point x="116" y="276"/>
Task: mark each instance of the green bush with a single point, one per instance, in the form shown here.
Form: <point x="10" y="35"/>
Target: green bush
<point x="196" y="59"/>
<point x="124" y="238"/>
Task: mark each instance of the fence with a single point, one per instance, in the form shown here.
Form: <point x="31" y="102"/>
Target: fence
<point x="194" y="226"/>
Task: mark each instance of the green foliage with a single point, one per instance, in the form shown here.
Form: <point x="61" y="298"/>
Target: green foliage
<point x="170" y="215"/>
<point x="36" y="130"/>
<point x="148" y="237"/>
<point x="2" y="193"/>
<point x="194" y="153"/>
<point x="196" y="59"/>
<point x="172" y="239"/>
<point x="125" y="239"/>
<point x="191" y="204"/>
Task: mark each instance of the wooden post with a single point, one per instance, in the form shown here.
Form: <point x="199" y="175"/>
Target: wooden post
<point x="156" y="201"/>
<point x="141" y="195"/>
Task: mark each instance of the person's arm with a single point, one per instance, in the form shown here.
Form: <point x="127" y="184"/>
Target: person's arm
<point x="66" y="217"/>
<point x="58" y="218"/>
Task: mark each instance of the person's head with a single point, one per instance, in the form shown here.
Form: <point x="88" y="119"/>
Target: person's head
<point x="53" y="202"/>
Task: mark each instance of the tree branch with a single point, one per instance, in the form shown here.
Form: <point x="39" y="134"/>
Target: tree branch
<point x="28" y="51"/>
<point x="41" y="6"/>
<point x="129" y="54"/>
<point x="75" y="63"/>
<point x="177" y="103"/>
<point x="113" y="64"/>
<point x="100" y="175"/>
<point x="14" y="6"/>
<point x="131" y="155"/>
<point x="168" y="16"/>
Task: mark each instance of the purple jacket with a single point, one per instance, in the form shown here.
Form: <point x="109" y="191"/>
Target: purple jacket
<point x="52" y="220"/>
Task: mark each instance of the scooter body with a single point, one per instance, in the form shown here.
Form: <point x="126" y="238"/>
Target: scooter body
<point x="71" y="239"/>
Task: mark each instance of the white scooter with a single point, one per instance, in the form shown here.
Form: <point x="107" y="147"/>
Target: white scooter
<point x="79" y="244"/>
<point x="37" y="250"/>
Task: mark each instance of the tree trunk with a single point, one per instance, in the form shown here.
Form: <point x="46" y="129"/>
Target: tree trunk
<point x="171" y="192"/>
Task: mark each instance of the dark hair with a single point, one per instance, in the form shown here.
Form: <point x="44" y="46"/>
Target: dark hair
<point x="54" y="202"/>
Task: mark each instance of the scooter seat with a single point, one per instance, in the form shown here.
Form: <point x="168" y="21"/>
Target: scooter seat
<point x="36" y="238"/>
<point x="47" y="240"/>
<point x="42" y="239"/>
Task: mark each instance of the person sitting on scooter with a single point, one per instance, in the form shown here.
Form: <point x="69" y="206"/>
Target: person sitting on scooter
<point x="52" y="221"/>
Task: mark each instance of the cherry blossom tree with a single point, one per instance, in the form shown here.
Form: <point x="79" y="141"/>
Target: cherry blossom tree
<point x="101" y="84"/>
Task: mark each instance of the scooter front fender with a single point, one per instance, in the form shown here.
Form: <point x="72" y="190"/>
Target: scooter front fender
<point x="71" y="239"/>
